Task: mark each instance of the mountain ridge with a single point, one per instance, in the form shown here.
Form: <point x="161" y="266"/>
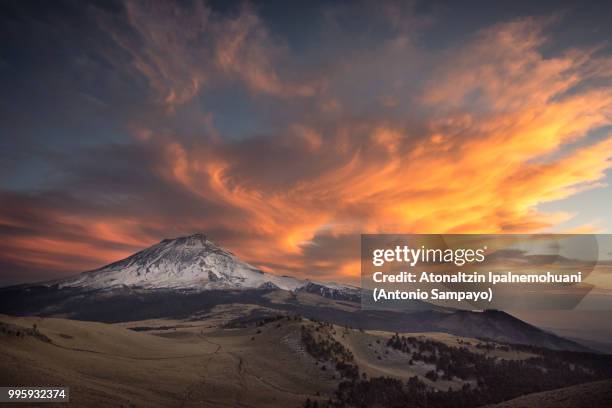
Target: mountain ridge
<point x="189" y="276"/>
<point x="190" y="262"/>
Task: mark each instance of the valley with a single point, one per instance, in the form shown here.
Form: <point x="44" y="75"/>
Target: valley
<point x="221" y="359"/>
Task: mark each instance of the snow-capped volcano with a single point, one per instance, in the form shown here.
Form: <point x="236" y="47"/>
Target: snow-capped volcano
<point x="191" y="262"/>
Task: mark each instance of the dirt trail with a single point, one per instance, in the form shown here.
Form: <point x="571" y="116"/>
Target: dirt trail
<point x="191" y="388"/>
<point x="132" y="357"/>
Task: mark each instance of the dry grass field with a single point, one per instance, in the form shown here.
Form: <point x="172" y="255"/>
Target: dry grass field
<point x="205" y="361"/>
<point x="193" y="364"/>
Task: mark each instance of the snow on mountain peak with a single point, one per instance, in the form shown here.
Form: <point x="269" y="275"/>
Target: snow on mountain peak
<point x="190" y="262"/>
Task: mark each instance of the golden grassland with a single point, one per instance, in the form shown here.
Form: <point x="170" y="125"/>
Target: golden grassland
<point x="199" y="361"/>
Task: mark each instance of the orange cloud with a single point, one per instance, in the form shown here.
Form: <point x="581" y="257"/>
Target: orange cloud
<point x="504" y="129"/>
<point x="476" y="172"/>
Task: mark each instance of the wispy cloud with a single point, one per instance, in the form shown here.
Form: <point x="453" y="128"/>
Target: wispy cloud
<point x="181" y="49"/>
<point x="468" y="139"/>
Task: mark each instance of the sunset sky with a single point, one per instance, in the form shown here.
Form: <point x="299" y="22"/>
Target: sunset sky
<point x="285" y="130"/>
